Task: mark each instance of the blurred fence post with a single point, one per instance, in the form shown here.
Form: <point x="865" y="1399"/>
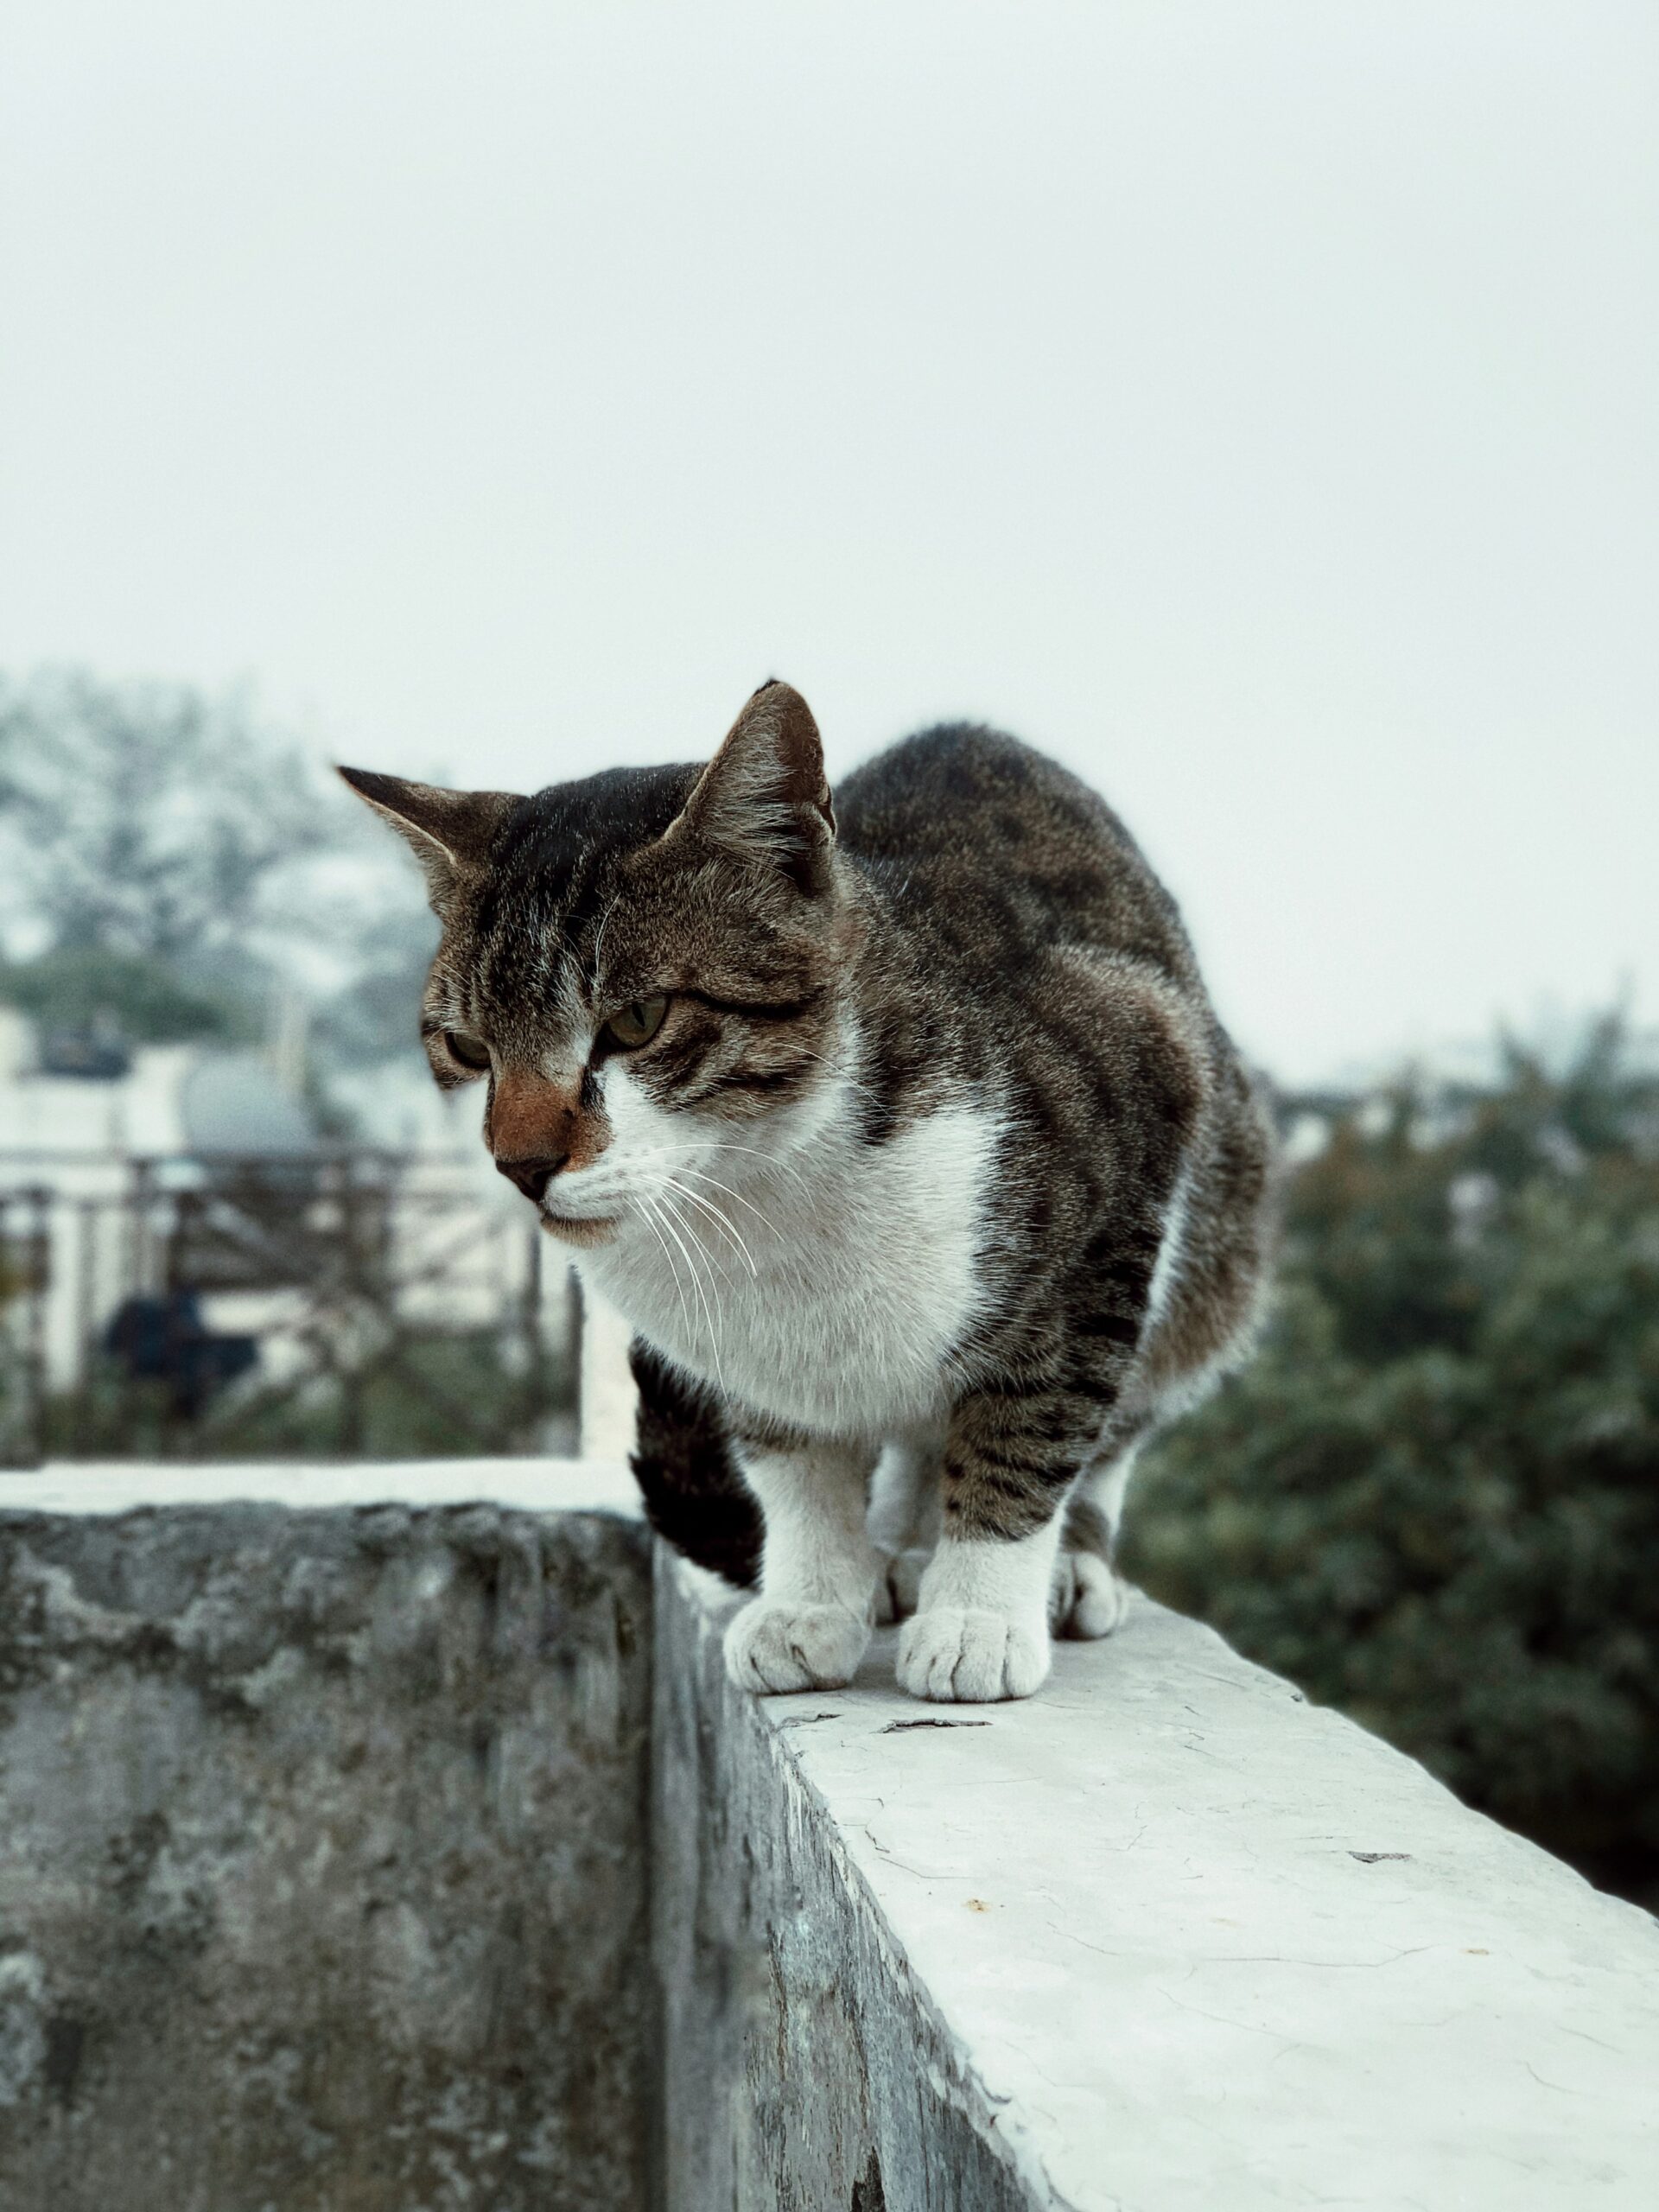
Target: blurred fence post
<point x="607" y="1399"/>
<point x="25" y="1251"/>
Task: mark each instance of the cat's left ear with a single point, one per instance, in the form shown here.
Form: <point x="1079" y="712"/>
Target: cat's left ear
<point x="764" y="795"/>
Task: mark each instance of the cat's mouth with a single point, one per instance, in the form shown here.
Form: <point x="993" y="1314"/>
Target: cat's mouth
<point x="580" y="1228"/>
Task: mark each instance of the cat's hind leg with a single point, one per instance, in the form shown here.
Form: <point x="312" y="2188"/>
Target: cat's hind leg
<point x="1086" y="1599"/>
<point x="904" y="1521"/>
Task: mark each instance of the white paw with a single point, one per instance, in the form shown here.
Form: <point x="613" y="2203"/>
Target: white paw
<point x="1086" y="1600"/>
<point x="969" y="1657"/>
<point x="777" y="1646"/>
<point x="897" y="1586"/>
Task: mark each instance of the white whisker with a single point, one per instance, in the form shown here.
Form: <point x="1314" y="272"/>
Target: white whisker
<point x="650" y="1211"/>
<point x="680" y="1157"/>
<point x="715" y="1214"/>
<point x="851" y="1081"/>
<point x="599" y="941"/>
<point x="774" y="1229"/>
<point x="769" y="1159"/>
<point x="696" y="1285"/>
<point x="667" y="1209"/>
<point x="725" y="1191"/>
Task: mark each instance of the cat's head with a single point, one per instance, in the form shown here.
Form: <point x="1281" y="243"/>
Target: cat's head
<point x="647" y="967"/>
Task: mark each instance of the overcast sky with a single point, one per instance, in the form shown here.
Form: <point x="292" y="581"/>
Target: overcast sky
<point x="1252" y="404"/>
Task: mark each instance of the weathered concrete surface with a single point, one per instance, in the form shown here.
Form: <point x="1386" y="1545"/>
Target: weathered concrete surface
<point x="1165" y="1939"/>
<point x="805" y="2064"/>
<point x="535" y="1485"/>
<point x="321" y="1878"/>
<point x="322" y="1889"/>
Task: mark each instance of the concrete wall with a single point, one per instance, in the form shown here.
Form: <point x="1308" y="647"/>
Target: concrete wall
<point x="322" y="1877"/>
<point x="1165" y="1939"/>
<point x="804" y="2063"/>
<point x="410" y="1857"/>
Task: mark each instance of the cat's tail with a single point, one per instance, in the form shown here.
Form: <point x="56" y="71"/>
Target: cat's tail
<point x="694" y="1497"/>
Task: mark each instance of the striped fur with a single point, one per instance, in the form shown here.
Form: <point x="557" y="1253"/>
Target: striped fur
<point x="938" y="1145"/>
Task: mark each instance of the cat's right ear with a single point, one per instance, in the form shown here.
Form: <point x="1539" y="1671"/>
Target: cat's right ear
<point x="448" y="832"/>
<point x="763" y="796"/>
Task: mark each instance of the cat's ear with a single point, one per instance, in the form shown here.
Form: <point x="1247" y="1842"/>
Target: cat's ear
<point x="448" y="832"/>
<point x="764" y="797"/>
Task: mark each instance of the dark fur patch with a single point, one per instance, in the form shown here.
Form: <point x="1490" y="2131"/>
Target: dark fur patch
<point x="694" y="1496"/>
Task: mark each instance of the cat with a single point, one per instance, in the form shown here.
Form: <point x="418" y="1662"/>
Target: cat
<point x="899" y="1127"/>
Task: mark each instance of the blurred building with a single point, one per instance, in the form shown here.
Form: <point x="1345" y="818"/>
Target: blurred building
<point x="181" y="1212"/>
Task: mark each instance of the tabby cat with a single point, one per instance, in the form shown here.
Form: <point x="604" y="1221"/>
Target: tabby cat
<point x="900" y="1128"/>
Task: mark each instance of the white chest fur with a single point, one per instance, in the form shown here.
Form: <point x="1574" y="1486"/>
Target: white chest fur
<point x="861" y="1272"/>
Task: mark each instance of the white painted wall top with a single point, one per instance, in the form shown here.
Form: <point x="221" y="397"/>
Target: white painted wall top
<point x="1209" y="1948"/>
<point x="532" y="1485"/>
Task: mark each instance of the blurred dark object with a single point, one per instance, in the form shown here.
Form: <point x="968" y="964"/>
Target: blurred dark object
<point x="96" y="1052"/>
<point x="1434" y="1498"/>
<point x="163" y="1339"/>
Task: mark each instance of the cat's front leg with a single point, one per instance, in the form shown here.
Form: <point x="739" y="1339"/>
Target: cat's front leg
<point x="980" y="1629"/>
<point x="809" y="1626"/>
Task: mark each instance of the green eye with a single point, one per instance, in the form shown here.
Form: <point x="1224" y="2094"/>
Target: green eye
<point x="469" y="1051"/>
<point x="633" y="1026"/>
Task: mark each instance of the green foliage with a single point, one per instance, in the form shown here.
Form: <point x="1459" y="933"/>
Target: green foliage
<point x="376" y="1012"/>
<point x="85" y="984"/>
<point x="1434" y="1498"/>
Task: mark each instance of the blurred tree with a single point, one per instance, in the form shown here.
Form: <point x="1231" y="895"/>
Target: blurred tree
<point x="377" y="1013"/>
<point x="143" y="819"/>
<point x="159" y="857"/>
<point x="1434" y="1498"/>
